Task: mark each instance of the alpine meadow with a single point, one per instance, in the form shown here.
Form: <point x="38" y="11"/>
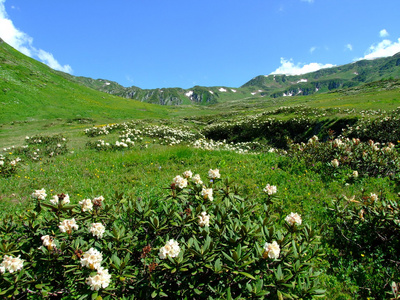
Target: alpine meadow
<point x="286" y="187"/>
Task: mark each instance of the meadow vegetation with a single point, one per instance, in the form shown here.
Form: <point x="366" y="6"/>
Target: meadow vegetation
<point x="286" y="202"/>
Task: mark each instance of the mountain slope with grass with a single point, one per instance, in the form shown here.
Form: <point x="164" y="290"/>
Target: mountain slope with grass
<point x="32" y="90"/>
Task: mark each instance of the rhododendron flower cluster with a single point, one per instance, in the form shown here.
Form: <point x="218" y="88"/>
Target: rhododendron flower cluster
<point x="270" y="189"/>
<point x="335" y="163"/>
<point x="180" y="182"/>
<point x="92" y="259"/>
<point x="97" y="229"/>
<point x="187" y="174"/>
<point x="271" y="250"/>
<point x="101" y="280"/>
<point x="86" y="204"/>
<point x="204" y="219"/>
<point x="11" y="264"/>
<point x="39" y="194"/>
<point x="214" y="174"/>
<point x="48" y="242"/>
<point x="293" y="219"/>
<point x="196" y="179"/>
<point x="207" y="194"/>
<point x="170" y="249"/>
<point x="68" y="225"/>
<point x="63" y="198"/>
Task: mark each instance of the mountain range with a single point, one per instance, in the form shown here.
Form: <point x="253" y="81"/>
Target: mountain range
<point x="13" y="64"/>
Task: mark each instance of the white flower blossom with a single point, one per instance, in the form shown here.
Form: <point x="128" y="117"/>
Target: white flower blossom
<point x="271" y="250"/>
<point x="170" y="249"/>
<point x="207" y="193"/>
<point x="204" y="219"/>
<point x="374" y="197"/>
<point x="197" y="180"/>
<point x="12" y="264"/>
<point x="101" y="280"/>
<point x="86" y="204"/>
<point x="355" y="174"/>
<point x="91" y="259"/>
<point x="270" y="189"/>
<point x="39" y="194"/>
<point x="68" y="225"/>
<point x="63" y="197"/>
<point x="187" y="174"/>
<point x="97" y="229"/>
<point x="293" y="219"/>
<point x="213" y="174"/>
<point x="48" y="242"/>
<point x="335" y="163"/>
<point x="180" y="182"/>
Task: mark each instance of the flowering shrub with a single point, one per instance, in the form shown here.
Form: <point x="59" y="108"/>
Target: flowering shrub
<point x="8" y="166"/>
<point x="351" y="155"/>
<point x="366" y="236"/>
<point x="200" y="241"/>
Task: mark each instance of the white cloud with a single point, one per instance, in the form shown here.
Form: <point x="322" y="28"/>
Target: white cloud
<point x="309" y="1"/>
<point x="312" y="49"/>
<point x="23" y="42"/>
<point x="383" y="33"/>
<point x="289" y="68"/>
<point x="383" y="49"/>
<point x="349" y="47"/>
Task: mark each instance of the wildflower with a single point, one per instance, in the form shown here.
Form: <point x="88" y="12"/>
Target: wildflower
<point x="355" y="174"/>
<point x="91" y="259"/>
<point x="64" y="198"/>
<point x="86" y="204"/>
<point x="207" y="194"/>
<point x="68" y="225"/>
<point x="293" y="219"/>
<point x="187" y="174"/>
<point x="270" y="189"/>
<point x="48" y="242"/>
<point x="170" y="249"/>
<point x="97" y="230"/>
<point x="204" y="219"/>
<point x="180" y="182"/>
<point x="39" y="194"/>
<point x="213" y="174"/>
<point x="197" y="179"/>
<point x="335" y="163"/>
<point x="374" y="197"/>
<point x="12" y="264"/>
<point x="101" y="280"/>
<point x="98" y="201"/>
<point x="271" y="250"/>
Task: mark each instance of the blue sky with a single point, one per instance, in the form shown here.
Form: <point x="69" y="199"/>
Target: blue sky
<point x="183" y="43"/>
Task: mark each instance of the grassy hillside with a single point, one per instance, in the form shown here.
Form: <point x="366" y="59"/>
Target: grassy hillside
<point x="31" y="90"/>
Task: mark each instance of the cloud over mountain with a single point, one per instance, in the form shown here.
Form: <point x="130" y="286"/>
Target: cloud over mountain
<point x="288" y="67"/>
<point x="24" y="43"/>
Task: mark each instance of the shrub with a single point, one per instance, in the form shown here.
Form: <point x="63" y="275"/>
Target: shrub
<point x="203" y="240"/>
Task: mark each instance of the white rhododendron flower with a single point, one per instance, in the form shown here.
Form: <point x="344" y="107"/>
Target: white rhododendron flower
<point x="355" y="174"/>
<point x="12" y="264"/>
<point x="271" y="250"/>
<point x="293" y="219"/>
<point x="213" y="174"/>
<point x="187" y="174"/>
<point x="97" y="229"/>
<point x="170" y="249"/>
<point x="335" y="163"/>
<point x="374" y="197"/>
<point x="86" y="204"/>
<point x="39" y="194"/>
<point x="197" y="180"/>
<point x="207" y="194"/>
<point x="98" y="201"/>
<point x="68" y="225"/>
<point x="63" y="197"/>
<point x="91" y="259"/>
<point x="101" y="280"/>
<point x="180" y="182"/>
<point x="204" y="219"/>
<point x="270" y="189"/>
<point x="48" y="242"/>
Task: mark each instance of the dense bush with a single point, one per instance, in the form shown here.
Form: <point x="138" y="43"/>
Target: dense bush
<point x="202" y="240"/>
<point x="365" y="238"/>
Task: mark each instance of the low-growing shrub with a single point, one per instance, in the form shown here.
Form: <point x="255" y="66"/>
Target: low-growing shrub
<point x="203" y="240"/>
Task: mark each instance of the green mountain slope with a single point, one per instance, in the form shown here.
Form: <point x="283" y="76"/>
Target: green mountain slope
<point x="345" y="76"/>
<point x="32" y="90"/>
